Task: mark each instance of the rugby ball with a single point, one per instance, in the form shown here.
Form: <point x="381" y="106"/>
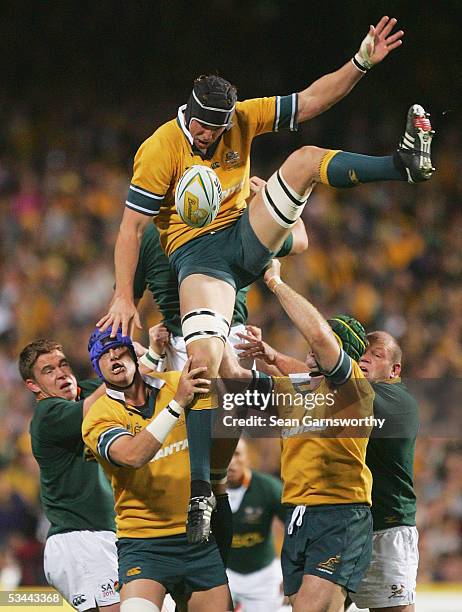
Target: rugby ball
<point x="198" y="196"/>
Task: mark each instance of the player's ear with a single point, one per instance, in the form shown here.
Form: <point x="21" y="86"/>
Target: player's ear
<point x="32" y="386"/>
<point x="396" y="370"/>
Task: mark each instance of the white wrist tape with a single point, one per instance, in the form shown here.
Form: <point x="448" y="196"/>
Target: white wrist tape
<point x="165" y="421"/>
<point x="152" y="360"/>
<point x="364" y="56"/>
<point x="273" y="281"/>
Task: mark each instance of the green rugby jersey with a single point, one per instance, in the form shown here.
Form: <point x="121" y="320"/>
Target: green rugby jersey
<point x="74" y="491"/>
<point x="153" y="272"/>
<point x="391" y="458"/>
<point x="252" y="548"/>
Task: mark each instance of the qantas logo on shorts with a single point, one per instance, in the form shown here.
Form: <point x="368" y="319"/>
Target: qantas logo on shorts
<point x="397" y="591"/>
<point x="330" y="565"/>
<point x="133" y="571"/>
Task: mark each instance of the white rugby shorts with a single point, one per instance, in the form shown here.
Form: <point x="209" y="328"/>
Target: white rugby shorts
<point x="176" y="354"/>
<point x="258" y="591"/>
<point x="391" y="577"/>
<point x="82" y="566"/>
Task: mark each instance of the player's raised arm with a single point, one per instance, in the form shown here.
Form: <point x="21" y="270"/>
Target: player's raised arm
<point x="308" y="320"/>
<point x="330" y="88"/>
<point x="122" y="310"/>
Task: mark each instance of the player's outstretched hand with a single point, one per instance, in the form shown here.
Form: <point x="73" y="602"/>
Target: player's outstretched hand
<point x="189" y="384"/>
<point x="254" y="331"/>
<point x="255" y="348"/>
<point x="159" y="337"/>
<point x="379" y="42"/>
<point x="122" y="312"/>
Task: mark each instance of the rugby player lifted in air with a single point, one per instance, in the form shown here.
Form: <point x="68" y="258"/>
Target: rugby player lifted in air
<point x="214" y="130"/>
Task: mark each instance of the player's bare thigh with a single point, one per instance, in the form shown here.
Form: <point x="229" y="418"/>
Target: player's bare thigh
<point x="146" y="589"/>
<point x="318" y="595"/>
<point x="300" y="171"/>
<point x="217" y="599"/>
<point x="199" y="291"/>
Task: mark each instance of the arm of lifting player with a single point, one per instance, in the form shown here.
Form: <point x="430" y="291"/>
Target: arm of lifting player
<point x="308" y="320"/>
<point x="270" y="361"/>
<point x="122" y="310"/>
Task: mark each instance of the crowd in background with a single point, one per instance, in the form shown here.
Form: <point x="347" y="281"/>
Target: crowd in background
<point x="389" y="254"/>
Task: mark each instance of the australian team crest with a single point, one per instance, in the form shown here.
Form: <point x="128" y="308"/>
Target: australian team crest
<point x="232" y="158"/>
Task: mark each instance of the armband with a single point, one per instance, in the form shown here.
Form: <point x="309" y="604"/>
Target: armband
<point x="151" y="359"/>
<point x="165" y="421"/>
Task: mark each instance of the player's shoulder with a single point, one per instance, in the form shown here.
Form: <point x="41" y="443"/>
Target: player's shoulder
<point x="246" y="106"/>
<point x="395" y="394"/>
<point x="158" y="379"/>
<point x="88" y="386"/>
<point x="104" y="408"/>
<point x="254" y="110"/>
<point x="167" y="134"/>
<point x="49" y="405"/>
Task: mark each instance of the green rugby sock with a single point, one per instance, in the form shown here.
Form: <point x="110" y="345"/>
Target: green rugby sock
<point x="199" y="428"/>
<point x="342" y="169"/>
<point x="222" y="526"/>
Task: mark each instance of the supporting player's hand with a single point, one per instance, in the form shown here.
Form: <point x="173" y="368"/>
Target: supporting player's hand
<point x="159" y="337"/>
<point x="379" y="42"/>
<point x="122" y="311"/>
<point x="273" y="271"/>
<point x="256" y="184"/>
<point x="254" y="331"/>
<point x="189" y="384"/>
<point x="254" y="348"/>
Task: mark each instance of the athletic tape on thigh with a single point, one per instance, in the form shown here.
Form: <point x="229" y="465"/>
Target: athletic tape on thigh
<point x="203" y="323"/>
<point x="138" y="604"/>
<point x="283" y="203"/>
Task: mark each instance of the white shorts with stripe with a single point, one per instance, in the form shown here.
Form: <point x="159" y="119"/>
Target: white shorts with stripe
<point x="176" y="354"/>
<point x="82" y="566"/>
<point x="391" y="577"/>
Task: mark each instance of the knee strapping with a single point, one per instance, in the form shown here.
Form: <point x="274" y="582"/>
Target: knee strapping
<point x="204" y="323"/>
<point x="282" y="202"/>
<point x="138" y="604"/>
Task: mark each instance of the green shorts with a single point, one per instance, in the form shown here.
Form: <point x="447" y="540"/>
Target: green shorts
<point x="333" y="542"/>
<point x="181" y="567"/>
<point x="233" y="254"/>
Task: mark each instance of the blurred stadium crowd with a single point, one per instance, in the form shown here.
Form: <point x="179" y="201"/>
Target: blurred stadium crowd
<point x="389" y="254"/>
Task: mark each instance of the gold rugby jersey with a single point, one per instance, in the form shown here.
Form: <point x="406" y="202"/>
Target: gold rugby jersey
<point x="163" y="158"/>
<point x="150" y="501"/>
<point x="319" y="465"/>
